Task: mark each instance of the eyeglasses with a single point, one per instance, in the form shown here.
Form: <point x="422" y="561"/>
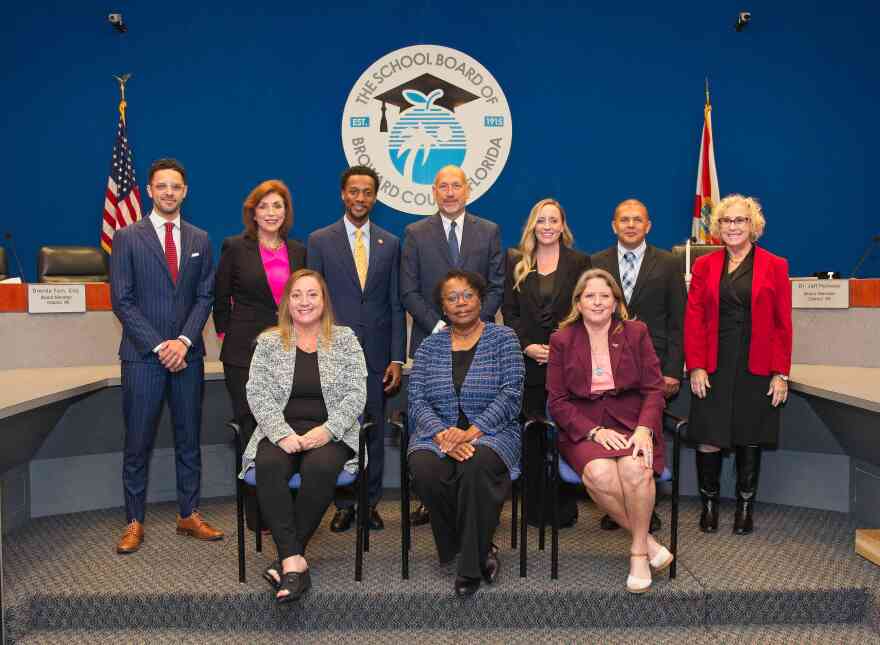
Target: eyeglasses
<point x="452" y="298"/>
<point x="161" y="188"/>
<point x="739" y="221"/>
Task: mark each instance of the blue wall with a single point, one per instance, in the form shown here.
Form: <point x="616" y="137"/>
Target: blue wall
<point x="606" y="104"/>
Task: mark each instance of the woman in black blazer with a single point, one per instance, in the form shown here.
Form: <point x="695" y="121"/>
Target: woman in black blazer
<point x="539" y="280"/>
<point x="254" y="267"/>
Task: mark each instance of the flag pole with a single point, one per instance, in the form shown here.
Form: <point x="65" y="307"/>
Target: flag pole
<point x="123" y="79"/>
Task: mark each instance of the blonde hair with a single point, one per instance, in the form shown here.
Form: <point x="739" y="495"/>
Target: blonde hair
<point x="527" y="242"/>
<point x="285" y="324"/>
<point x="574" y="315"/>
<point x="751" y="204"/>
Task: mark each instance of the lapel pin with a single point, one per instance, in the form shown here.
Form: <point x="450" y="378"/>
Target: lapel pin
<point x="380" y="241"/>
<point x="615" y="345"/>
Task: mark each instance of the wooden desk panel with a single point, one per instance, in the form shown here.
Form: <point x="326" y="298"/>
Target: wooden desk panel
<point x="864" y="293"/>
<point x="13" y="297"/>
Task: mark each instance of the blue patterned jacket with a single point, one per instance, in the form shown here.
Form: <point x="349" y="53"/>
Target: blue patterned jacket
<point x="491" y="395"/>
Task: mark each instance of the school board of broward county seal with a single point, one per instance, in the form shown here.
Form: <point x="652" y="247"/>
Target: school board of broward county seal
<point x="418" y="109"/>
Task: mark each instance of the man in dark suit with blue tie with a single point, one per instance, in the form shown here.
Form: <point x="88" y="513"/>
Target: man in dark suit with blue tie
<point x="360" y="262"/>
<point x="450" y="239"/>
<point x="162" y="284"/>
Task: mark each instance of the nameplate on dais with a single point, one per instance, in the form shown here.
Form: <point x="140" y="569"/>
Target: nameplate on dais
<point x="810" y="293"/>
<point x="56" y="298"/>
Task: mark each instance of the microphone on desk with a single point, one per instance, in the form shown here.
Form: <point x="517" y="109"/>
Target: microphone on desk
<point x="8" y="237"/>
<point x="874" y="240"/>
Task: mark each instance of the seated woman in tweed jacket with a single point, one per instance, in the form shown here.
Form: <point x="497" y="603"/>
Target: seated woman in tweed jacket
<point x="465" y="392"/>
<point x="307" y="386"/>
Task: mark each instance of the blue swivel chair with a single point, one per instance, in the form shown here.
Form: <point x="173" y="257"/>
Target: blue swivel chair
<point x="345" y="480"/>
<point x="557" y="470"/>
<point x="518" y="495"/>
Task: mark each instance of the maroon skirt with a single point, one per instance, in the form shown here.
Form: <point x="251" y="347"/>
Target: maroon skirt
<point x="579" y="454"/>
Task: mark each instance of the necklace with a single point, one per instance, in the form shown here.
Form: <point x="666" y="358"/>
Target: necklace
<point x="470" y="332"/>
<point x="272" y="247"/>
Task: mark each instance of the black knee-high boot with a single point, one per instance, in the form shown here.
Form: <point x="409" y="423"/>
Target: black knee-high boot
<point x="748" y="467"/>
<point x="708" y="477"/>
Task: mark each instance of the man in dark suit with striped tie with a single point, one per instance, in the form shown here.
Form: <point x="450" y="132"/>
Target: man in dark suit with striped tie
<point x="653" y="286"/>
<point x="450" y="239"/>
<point x="162" y="286"/>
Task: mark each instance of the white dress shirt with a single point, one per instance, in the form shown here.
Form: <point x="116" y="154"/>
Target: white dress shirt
<point x="459" y="227"/>
<point x="158" y="223"/>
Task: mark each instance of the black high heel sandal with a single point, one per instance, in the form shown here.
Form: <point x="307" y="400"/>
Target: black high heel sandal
<point x="295" y="584"/>
<point x="268" y="577"/>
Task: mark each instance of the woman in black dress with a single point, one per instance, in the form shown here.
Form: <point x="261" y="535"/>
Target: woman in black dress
<point x="538" y="283"/>
<point x="738" y="330"/>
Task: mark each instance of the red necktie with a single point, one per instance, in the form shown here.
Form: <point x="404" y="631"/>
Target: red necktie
<point x="170" y="251"/>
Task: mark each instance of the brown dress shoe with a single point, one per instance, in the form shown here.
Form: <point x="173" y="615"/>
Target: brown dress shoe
<point x="131" y="539"/>
<point x="195" y="526"/>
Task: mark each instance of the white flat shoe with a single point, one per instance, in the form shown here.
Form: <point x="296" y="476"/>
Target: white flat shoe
<point x="662" y="560"/>
<point x="634" y="584"/>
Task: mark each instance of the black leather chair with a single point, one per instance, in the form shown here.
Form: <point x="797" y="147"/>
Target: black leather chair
<point x="71" y="265"/>
<point x="697" y="250"/>
<point x="4" y="269"/>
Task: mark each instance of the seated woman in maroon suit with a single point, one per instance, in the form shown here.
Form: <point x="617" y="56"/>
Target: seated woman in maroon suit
<point x="605" y="393"/>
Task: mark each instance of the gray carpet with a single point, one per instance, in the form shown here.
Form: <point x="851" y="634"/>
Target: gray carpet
<point x="798" y="571"/>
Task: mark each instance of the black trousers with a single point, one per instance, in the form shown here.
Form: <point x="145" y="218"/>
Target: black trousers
<point x="465" y="500"/>
<point x="294" y="523"/>
<point x="375" y="442"/>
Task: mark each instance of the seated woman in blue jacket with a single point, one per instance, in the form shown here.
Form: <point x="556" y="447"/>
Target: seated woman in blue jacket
<point x="465" y="393"/>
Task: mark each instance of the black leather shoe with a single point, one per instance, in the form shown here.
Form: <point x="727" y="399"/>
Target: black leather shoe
<point x="420" y="516"/>
<point x="342" y="520"/>
<point x="492" y="565"/>
<point x="465" y="587"/>
<point x="375" y="520"/>
<point x="607" y="524"/>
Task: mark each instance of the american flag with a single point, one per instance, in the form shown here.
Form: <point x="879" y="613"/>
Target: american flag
<point x="122" y="199"/>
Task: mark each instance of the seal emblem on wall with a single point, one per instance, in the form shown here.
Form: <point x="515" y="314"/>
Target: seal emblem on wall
<point x="418" y="109"/>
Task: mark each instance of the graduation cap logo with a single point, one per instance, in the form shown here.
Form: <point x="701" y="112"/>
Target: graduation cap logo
<point x="426" y="136"/>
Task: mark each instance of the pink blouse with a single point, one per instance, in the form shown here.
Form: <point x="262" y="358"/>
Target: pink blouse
<point x="603" y="379"/>
<point x="277" y="266"/>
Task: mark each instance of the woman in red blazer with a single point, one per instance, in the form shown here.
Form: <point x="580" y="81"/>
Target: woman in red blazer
<point x="605" y="393"/>
<point x="737" y="345"/>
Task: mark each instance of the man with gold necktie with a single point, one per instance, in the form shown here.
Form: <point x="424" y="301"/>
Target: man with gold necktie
<point x="361" y="262"/>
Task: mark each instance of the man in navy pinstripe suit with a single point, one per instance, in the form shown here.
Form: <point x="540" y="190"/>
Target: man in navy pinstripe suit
<point x="162" y="286"/>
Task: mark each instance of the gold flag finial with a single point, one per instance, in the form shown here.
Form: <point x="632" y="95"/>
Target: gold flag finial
<point x="122" y="103"/>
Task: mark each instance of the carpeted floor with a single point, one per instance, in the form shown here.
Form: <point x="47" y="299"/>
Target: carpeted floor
<point x="797" y="574"/>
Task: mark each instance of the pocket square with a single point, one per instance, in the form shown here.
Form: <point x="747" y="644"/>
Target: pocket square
<point x="194" y="255"/>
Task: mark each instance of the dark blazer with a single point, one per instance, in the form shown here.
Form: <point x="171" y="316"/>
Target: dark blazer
<point x="658" y="300"/>
<point x="243" y="302"/>
<point x="426" y="259"/>
<point x="637" y="397"/>
<point x="150" y="306"/>
<point x="374" y="313"/>
<point x="521" y="308"/>
<point x="770" y="348"/>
